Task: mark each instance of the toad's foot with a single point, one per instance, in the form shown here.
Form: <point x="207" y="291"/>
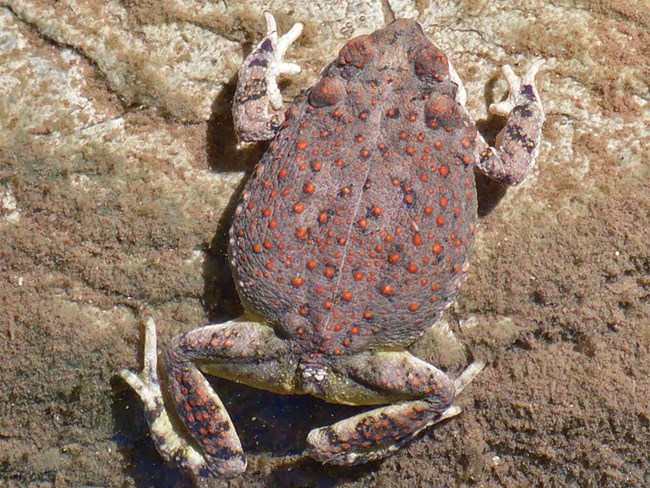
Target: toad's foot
<point x="517" y="145"/>
<point x="257" y="108"/>
<point x="174" y="448"/>
<point x="378" y="433"/>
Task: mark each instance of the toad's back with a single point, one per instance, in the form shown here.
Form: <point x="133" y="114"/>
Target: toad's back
<point x="354" y="232"/>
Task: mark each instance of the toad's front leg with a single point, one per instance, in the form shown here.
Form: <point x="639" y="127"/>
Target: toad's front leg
<point x="517" y="144"/>
<point x="257" y="107"/>
<point x="207" y="444"/>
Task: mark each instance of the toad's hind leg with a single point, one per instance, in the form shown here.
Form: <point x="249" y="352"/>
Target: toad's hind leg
<point x="419" y="395"/>
<point x="517" y="144"/>
<point x="207" y="443"/>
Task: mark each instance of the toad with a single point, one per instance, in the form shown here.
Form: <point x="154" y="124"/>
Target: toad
<point x="351" y="238"/>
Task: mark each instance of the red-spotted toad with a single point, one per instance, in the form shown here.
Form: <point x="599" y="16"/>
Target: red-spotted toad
<point x="350" y="240"/>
